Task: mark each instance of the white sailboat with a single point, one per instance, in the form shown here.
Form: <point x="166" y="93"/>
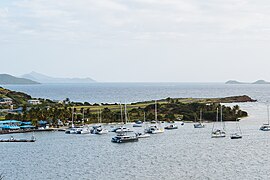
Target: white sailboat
<point x="218" y="132"/>
<point x="122" y="128"/>
<point x="72" y="130"/>
<point x="199" y="125"/>
<point x="266" y="127"/>
<point x="98" y="129"/>
<point x="238" y="132"/>
<point x="143" y="135"/>
<point x="155" y="128"/>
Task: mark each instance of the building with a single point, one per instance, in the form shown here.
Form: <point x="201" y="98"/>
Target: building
<point x="5" y="101"/>
<point x="34" y="101"/>
<point x="10" y="125"/>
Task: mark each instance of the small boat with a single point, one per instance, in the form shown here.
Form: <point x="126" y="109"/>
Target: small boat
<point x="199" y="125"/>
<point x="154" y="129"/>
<point x="142" y="135"/>
<point x="122" y="137"/>
<point x="99" y="130"/>
<point x="236" y="136"/>
<point x="84" y="130"/>
<point x="12" y="139"/>
<point x="266" y="127"/>
<point x="138" y="124"/>
<point x="71" y="130"/>
<point x="218" y="133"/>
<point x="122" y="128"/>
<point x="171" y="126"/>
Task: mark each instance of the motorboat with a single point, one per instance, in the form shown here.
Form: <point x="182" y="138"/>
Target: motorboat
<point x="218" y="134"/>
<point x="171" y="126"/>
<point x="138" y="124"/>
<point x="83" y="130"/>
<point x="142" y="135"/>
<point x="154" y="129"/>
<point x="99" y="130"/>
<point x="265" y="127"/>
<point x="236" y="136"/>
<point x="123" y="137"/>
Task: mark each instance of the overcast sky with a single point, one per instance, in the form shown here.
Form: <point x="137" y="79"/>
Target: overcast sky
<point x="137" y="40"/>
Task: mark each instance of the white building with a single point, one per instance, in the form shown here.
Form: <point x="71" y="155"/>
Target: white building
<point x="5" y="101"/>
<point x="34" y="102"/>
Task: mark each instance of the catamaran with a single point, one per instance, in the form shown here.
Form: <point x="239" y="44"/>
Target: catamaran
<point x="155" y="128"/>
<point x="266" y="127"/>
<point x="216" y="132"/>
<point x="98" y="129"/>
<point x="199" y="125"/>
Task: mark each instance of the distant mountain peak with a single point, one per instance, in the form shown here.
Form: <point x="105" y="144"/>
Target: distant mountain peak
<point x="47" y="79"/>
<point x="9" y="79"/>
<point x="256" y="82"/>
<point x="261" y="82"/>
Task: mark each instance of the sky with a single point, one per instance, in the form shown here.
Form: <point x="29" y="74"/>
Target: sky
<point x="137" y="40"/>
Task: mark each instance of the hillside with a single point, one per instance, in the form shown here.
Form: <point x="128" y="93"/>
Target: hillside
<point x="47" y="79"/>
<point x="8" y="79"/>
<point x="17" y="97"/>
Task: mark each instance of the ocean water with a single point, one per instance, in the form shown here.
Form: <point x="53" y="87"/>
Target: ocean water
<point x="185" y="153"/>
<point x="134" y="92"/>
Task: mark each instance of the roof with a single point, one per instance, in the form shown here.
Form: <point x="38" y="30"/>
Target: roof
<point x="26" y="126"/>
<point x="27" y="123"/>
<point x="9" y="121"/>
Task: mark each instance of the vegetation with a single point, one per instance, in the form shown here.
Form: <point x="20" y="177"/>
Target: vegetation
<point x="169" y="109"/>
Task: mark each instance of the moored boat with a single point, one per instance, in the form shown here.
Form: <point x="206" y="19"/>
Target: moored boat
<point x="171" y="126"/>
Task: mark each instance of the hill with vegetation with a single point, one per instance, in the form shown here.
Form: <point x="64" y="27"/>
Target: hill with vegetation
<point x="8" y="79"/>
<point x="169" y="109"/>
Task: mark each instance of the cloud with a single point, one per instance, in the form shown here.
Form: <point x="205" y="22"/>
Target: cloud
<point x="83" y="20"/>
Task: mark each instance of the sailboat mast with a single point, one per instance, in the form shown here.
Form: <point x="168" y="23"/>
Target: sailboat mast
<point x="126" y="114"/>
<point x="144" y="117"/>
<point x="156" y="111"/>
<point x="201" y="116"/>
<point x="72" y="117"/>
<point x="121" y="113"/>
<point x="268" y="112"/>
<point x="221" y="113"/>
<point x="100" y="117"/>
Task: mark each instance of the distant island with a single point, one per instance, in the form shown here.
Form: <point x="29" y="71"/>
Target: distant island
<point x="256" y="82"/>
<point x="34" y="76"/>
<point x="6" y="79"/>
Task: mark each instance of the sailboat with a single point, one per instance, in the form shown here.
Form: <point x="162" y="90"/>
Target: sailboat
<point x="199" y="125"/>
<point x="237" y="135"/>
<point x="122" y="128"/>
<point x="155" y="128"/>
<point x="143" y="135"/>
<point x="83" y="130"/>
<point x="72" y="130"/>
<point x="218" y="133"/>
<point x="266" y="127"/>
<point x="98" y="129"/>
<point x="122" y="136"/>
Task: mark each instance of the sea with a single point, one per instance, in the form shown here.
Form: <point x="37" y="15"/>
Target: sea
<point x="184" y="153"/>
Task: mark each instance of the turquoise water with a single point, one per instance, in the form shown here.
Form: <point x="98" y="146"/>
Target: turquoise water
<point x="185" y="153"/>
